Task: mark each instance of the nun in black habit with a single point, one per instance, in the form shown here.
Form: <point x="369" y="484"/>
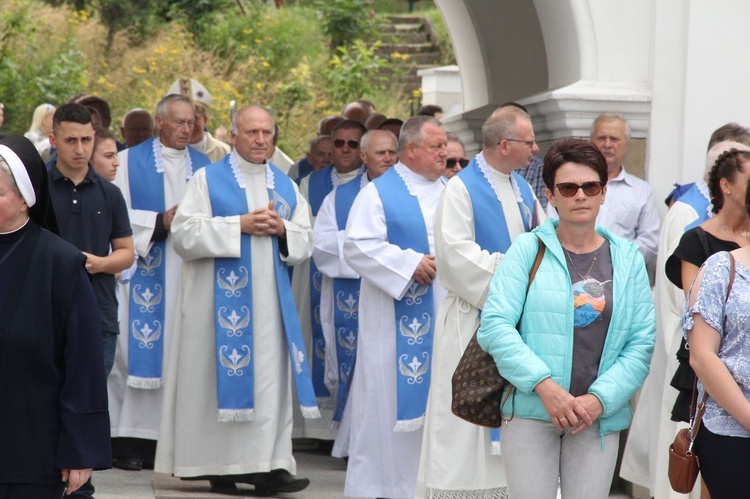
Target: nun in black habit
<point x="54" y="423"/>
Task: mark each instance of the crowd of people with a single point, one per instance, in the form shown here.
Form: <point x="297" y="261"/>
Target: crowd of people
<point x="225" y="300"/>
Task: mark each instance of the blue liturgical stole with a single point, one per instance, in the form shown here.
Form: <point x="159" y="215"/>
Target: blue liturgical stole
<point x="233" y="301"/>
<point x="147" y="305"/>
<point x="699" y="203"/>
<point x="346" y="294"/>
<point x="304" y="169"/>
<point x="490" y="228"/>
<point x="414" y="312"/>
<point x="319" y="187"/>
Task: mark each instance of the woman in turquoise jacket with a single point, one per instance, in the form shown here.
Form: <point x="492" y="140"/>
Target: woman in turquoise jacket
<point x="587" y="329"/>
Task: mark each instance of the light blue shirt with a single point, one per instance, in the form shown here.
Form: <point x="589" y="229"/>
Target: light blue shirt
<point x="734" y="350"/>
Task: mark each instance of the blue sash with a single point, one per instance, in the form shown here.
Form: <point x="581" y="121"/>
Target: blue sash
<point x="346" y="294"/>
<point x="695" y="198"/>
<point x="319" y="187"/>
<point x="414" y="312"/>
<point x="233" y="302"/>
<point x="147" y="287"/>
<point x="490" y="227"/>
<point x="304" y="168"/>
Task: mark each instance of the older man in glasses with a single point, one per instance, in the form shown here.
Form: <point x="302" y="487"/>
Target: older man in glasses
<point x="339" y="300"/>
<point x="630" y="209"/>
<point x="306" y="280"/>
<point x="456" y="151"/>
<point x="482" y="211"/>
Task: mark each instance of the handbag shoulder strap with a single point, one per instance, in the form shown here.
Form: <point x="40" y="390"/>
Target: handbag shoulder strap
<point x="532" y="275"/>
<point x="537" y="263"/>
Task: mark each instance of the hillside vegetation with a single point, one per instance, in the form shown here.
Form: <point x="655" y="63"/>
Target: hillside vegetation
<point x="299" y="60"/>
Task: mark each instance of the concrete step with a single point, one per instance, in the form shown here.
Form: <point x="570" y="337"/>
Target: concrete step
<point x="405" y="48"/>
<point x="401" y="28"/>
<point x="418" y="37"/>
<point x="393" y="19"/>
<point x="425" y="58"/>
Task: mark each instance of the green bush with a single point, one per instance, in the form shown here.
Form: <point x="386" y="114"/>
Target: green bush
<point x="272" y="40"/>
<point x="37" y="65"/>
<point x="355" y="71"/>
<point x="346" y="21"/>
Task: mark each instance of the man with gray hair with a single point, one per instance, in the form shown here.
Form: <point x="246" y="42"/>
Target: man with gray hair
<point x="152" y="177"/>
<point x="456" y="151"/>
<point x="629" y="209"/>
<point x="389" y="242"/>
<point x="484" y="207"/>
<point x="237" y="343"/>
<point x="201" y="139"/>
<point x="340" y="285"/>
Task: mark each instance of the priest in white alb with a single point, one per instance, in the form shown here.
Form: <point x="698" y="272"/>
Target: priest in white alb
<point x="484" y="208"/>
<point x="389" y="242"/>
<point x="307" y="280"/>
<point x="339" y="295"/>
<point x="237" y="346"/>
<point x="152" y="177"/>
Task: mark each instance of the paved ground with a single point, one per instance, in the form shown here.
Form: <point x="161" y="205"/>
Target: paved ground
<point x="326" y="475"/>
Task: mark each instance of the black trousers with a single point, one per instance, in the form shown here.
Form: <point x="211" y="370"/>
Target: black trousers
<point x="724" y="464"/>
<point x="30" y="491"/>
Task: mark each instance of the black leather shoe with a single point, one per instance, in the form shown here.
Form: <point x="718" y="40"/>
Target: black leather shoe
<point x="129" y="463"/>
<point x="281" y="481"/>
<point x="222" y="487"/>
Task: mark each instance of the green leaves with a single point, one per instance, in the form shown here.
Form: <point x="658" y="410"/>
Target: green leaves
<point x="355" y="71"/>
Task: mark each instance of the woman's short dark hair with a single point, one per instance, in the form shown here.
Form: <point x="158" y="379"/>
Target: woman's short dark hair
<point x="578" y="151"/>
<point x="727" y="166"/>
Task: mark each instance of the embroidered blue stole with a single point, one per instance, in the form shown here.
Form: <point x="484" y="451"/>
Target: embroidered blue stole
<point x="414" y="312"/>
<point x="233" y="302"/>
<point x="147" y="305"/>
<point x="490" y="227"/>
<point x="346" y="294"/>
<point x="319" y="187"/>
<point x="694" y="198"/>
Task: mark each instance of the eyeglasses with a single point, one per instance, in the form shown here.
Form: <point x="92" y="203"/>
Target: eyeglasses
<point x="451" y="162"/>
<point x="569" y="189"/>
<point x="529" y="143"/>
<point x="339" y="143"/>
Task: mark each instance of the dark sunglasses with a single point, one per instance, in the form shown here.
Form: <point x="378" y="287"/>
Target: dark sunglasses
<point x="339" y="143"/>
<point x="569" y="189"/>
<point x="451" y="162"/>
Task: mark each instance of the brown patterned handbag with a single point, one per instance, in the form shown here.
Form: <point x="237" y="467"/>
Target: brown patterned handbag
<point x="477" y="385"/>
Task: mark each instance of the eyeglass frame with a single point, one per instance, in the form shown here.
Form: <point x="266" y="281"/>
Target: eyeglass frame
<point x="461" y="161"/>
<point x="528" y="143"/>
<point x="586" y="185"/>
<point x="353" y="144"/>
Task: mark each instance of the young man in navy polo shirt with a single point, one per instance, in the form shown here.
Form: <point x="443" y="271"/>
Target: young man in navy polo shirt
<point x="92" y="216"/>
<point x="91" y="212"/>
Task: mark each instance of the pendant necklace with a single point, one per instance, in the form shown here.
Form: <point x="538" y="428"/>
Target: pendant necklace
<point x="588" y="273"/>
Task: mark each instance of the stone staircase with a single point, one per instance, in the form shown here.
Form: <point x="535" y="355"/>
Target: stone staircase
<point x="412" y="38"/>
